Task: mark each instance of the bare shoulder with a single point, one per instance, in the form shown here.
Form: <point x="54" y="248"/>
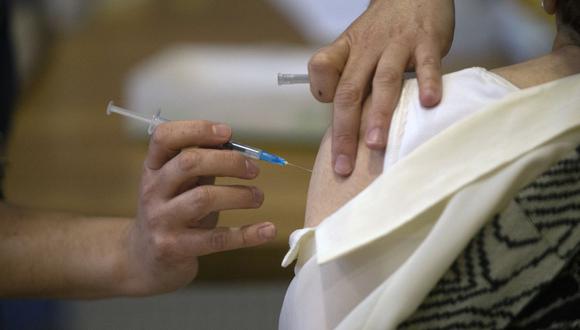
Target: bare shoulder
<point x="537" y="71"/>
<point x="327" y="191"/>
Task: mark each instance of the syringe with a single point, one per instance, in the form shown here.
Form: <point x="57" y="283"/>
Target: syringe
<point x="246" y="150"/>
<point x="292" y="79"/>
<point x="304" y="78"/>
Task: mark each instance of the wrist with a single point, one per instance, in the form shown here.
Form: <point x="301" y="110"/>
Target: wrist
<point x="127" y="263"/>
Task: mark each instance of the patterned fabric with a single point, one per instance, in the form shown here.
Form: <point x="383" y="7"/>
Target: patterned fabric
<point x="522" y="270"/>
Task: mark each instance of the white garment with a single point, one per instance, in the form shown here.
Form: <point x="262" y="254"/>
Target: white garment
<point x="374" y="273"/>
<point x="464" y="93"/>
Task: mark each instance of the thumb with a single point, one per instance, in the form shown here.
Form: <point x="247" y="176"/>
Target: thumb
<point x="325" y="67"/>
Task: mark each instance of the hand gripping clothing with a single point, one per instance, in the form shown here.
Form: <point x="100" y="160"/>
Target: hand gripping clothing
<point x="372" y="263"/>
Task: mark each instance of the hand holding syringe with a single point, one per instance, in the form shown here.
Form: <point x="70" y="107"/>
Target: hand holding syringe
<point x="247" y="151"/>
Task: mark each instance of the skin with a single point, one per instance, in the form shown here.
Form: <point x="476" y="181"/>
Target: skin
<point x="329" y="191"/>
<point x="52" y="254"/>
<point x="372" y="54"/>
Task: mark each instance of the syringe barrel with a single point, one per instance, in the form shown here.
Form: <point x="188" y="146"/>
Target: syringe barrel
<point x="156" y="120"/>
<point x="248" y="151"/>
<point x="255" y="153"/>
<point x="292" y="78"/>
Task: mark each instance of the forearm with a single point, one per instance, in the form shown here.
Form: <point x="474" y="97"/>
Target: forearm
<point x="53" y="254"/>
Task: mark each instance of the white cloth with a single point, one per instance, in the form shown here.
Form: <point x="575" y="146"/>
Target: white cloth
<point x="465" y="92"/>
<point x="379" y="255"/>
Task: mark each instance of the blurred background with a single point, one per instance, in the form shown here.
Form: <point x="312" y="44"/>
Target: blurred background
<point x="202" y="59"/>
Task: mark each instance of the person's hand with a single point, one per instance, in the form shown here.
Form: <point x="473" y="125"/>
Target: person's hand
<point x="178" y="205"/>
<point x="373" y="53"/>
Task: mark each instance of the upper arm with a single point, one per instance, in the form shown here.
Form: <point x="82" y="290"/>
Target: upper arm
<point x="327" y="191"/>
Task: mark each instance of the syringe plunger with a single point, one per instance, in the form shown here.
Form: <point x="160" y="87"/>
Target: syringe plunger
<point x="248" y="151"/>
<point x="153" y="121"/>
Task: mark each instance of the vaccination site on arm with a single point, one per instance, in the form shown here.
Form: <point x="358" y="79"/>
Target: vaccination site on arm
<point x="290" y="164"/>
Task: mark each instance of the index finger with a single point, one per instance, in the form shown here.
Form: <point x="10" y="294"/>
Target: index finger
<point x="350" y="93"/>
<point x="169" y="138"/>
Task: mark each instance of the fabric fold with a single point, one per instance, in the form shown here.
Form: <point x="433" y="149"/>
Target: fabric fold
<point x="473" y="148"/>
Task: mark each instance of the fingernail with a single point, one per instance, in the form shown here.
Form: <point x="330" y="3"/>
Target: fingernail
<point x="258" y="196"/>
<point x="429" y="98"/>
<point x="251" y="168"/>
<point x="222" y="130"/>
<point x="376" y="137"/>
<point x="267" y="232"/>
<point x="343" y="165"/>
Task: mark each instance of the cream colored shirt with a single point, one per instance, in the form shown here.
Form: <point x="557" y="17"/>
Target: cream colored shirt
<point x="447" y="170"/>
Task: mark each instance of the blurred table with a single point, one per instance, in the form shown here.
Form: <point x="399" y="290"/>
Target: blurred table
<point x="65" y="154"/>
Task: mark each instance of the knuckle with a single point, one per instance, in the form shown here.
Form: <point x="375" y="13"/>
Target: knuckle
<point x="380" y="116"/>
<point x="429" y="82"/>
<point x="219" y="240"/>
<point x="148" y="192"/>
<point x="387" y="77"/>
<point x="429" y="61"/>
<point x="164" y="247"/>
<point x="243" y="167"/>
<point x="160" y="135"/>
<point x="320" y="62"/>
<point x="246" y="237"/>
<point x="154" y="220"/>
<point x="202" y="127"/>
<point x="344" y="139"/>
<point x="399" y="31"/>
<point x="188" y="160"/>
<point x="202" y="197"/>
<point x="255" y="196"/>
<point x="348" y="94"/>
<point x="357" y="36"/>
<point x="235" y="159"/>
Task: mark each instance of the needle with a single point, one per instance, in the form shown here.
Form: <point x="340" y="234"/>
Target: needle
<point x="300" y="167"/>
